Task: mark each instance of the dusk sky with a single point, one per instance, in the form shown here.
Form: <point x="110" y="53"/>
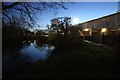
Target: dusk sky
<point x="79" y="12"/>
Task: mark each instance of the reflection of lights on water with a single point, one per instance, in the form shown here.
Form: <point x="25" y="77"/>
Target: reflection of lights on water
<point x="34" y="41"/>
<point x="52" y="47"/>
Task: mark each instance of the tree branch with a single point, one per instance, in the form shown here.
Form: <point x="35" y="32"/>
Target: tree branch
<point x="9" y="6"/>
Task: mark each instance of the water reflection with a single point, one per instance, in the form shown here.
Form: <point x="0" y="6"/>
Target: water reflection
<point x="29" y="53"/>
<point x="34" y="53"/>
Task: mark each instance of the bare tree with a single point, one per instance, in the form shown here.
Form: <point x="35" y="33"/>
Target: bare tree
<point x="61" y="24"/>
<point x="25" y="12"/>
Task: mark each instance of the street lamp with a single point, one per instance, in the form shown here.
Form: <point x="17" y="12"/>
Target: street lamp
<point x="103" y="30"/>
<point x="86" y="29"/>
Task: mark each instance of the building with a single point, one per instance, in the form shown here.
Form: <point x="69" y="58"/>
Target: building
<point x="107" y="25"/>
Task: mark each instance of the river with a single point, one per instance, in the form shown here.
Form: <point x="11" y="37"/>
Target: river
<point x="29" y="53"/>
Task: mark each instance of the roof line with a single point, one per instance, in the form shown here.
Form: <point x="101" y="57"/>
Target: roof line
<point x="100" y="18"/>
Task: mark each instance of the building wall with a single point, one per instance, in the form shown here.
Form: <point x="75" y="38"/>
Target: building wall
<point x="111" y="22"/>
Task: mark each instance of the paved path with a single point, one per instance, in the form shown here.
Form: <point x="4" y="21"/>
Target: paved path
<point x="98" y="44"/>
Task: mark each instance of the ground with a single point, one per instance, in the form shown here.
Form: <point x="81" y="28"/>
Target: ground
<point x="84" y="62"/>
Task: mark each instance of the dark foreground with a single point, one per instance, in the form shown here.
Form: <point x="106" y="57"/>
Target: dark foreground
<point x="83" y="62"/>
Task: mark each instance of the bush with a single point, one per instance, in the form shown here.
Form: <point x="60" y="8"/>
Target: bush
<point x="63" y="41"/>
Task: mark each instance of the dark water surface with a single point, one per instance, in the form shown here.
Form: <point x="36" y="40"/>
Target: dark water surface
<point x="30" y="52"/>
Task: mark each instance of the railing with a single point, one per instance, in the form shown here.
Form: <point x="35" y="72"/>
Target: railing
<point x="112" y="40"/>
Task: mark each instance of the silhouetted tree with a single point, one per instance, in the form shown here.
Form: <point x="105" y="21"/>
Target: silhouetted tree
<point x="26" y="11"/>
<point x="67" y="35"/>
<point x="61" y="24"/>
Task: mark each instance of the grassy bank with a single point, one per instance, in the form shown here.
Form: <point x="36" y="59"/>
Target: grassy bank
<point x="83" y="62"/>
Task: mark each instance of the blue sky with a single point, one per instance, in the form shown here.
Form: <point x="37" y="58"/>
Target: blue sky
<point x="82" y="11"/>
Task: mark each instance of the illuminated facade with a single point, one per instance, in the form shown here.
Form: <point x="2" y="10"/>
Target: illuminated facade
<point x="108" y="25"/>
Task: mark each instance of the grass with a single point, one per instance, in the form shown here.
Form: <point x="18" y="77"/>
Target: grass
<point x="83" y="62"/>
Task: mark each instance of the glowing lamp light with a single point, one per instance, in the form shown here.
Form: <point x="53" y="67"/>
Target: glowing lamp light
<point x="103" y="30"/>
<point x="86" y="29"/>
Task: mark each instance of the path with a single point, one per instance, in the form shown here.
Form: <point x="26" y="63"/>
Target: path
<point x="98" y="44"/>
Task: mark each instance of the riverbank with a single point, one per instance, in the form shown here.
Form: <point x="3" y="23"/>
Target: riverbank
<point x="84" y="62"/>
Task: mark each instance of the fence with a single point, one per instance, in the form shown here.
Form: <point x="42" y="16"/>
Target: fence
<point x="112" y="40"/>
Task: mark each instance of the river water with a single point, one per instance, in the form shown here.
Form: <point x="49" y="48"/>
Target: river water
<point x="29" y="53"/>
